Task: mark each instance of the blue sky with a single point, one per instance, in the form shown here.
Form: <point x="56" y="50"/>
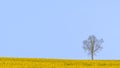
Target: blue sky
<point x="57" y="28"/>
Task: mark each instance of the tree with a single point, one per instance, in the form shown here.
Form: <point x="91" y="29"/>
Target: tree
<point x="92" y="45"/>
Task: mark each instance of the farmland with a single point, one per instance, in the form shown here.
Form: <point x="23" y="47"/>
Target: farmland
<point x="56" y="63"/>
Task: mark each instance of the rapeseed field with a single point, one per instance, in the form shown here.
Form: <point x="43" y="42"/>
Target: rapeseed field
<point x="56" y="63"/>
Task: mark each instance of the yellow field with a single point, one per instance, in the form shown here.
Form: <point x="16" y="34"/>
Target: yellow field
<point x="56" y="63"/>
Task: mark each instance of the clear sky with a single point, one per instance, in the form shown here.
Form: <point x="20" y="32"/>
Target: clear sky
<point x="57" y="28"/>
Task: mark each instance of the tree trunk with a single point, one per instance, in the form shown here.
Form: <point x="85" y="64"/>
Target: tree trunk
<point x="92" y="50"/>
<point x="92" y="57"/>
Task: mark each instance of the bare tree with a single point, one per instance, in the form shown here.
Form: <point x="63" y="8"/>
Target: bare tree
<point x="92" y="45"/>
